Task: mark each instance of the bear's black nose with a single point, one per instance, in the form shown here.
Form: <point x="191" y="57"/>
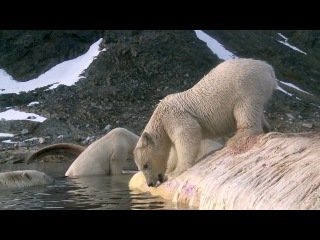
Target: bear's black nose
<point x="150" y="184"/>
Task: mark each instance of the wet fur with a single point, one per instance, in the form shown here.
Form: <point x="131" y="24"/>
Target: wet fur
<point x="105" y="156"/>
<point x="23" y="178"/>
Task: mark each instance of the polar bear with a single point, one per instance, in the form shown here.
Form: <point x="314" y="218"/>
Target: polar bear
<point x="23" y="178"/>
<point x="230" y="98"/>
<point x="105" y="156"/>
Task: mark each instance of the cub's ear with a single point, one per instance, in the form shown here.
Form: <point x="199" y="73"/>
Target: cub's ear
<point x="26" y="175"/>
<point x="146" y="139"/>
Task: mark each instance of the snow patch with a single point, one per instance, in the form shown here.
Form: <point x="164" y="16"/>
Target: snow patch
<point x="12" y="114"/>
<point x="31" y="139"/>
<point x="215" y="46"/>
<point x="294" y="86"/>
<point x="282" y="90"/>
<point x="6" y="135"/>
<point x="315" y="105"/>
<point x="32" y="103"/>
<point x="8" y="141"/>
<point x="285" y="42"/>
<point x="66" y="73"/>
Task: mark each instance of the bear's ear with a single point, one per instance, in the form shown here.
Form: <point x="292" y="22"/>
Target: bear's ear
<point x="146" y="139"/>
<point x="25" y="174"/>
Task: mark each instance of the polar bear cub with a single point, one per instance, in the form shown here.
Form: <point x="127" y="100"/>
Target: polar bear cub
<point x="109" y="155"/>
<point x="106" y="156"/>
<point x="230" y="98"/>
<point x="23" y="178"/>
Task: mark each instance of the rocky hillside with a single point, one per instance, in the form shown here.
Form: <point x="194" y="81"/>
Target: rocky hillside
<point x="138" y="68"/>
<point x="25" y="54"/>
<point x="299" y="68"/>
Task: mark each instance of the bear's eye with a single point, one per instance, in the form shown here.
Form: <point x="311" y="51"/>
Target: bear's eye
<point x="145" y="166"/>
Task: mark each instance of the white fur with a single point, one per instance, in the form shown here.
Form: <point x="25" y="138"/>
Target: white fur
<point x="207" y="146"/>
<point x="106" y="155"/>
<point x="231" y="97"/>
<point x="23" y="178"/>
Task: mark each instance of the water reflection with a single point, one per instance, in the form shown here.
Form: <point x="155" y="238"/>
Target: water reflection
<point x="92" y="193"/>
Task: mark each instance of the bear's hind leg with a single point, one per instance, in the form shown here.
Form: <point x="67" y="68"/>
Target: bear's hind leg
<point x="249" y="121"/>
<point x="265" y="125"/>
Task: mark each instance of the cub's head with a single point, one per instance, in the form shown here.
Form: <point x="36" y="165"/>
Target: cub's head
<point x="36" y="177"/>
<point x="150" y="159"/>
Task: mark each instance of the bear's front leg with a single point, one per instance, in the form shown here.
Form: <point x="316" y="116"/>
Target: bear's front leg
<point x="187" y="146"/>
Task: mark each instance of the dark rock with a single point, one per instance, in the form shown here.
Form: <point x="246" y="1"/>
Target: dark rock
<point x="24" y="131"/>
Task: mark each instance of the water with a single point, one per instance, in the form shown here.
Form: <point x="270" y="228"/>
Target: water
<point x="95" y="192"/>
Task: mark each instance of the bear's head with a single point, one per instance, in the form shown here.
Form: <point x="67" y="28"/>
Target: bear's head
<point x="150" y="159"/>
<point x="36" y="177"/>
